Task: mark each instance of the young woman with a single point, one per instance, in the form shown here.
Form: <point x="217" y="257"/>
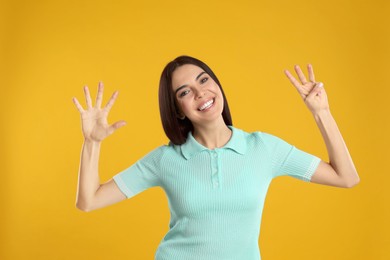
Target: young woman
<point x="215" y="175"/>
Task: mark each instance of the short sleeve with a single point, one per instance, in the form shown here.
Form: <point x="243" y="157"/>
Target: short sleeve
<point x="141" y="175"/>
<point x="286" y="159"/>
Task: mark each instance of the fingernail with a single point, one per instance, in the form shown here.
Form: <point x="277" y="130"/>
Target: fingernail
<point x="320" y="85"/>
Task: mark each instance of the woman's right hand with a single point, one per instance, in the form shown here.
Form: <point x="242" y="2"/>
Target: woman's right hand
<point x="94" y="119"/>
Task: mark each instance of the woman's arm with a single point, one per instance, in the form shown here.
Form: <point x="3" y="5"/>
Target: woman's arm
<point x="339" y="158"/>
<point x="88" y="180"/>
<point x="340" y="171"/>
<point x="90" y="194"/>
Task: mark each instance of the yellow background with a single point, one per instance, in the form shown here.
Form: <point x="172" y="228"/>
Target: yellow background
<point x="51" y="49"/>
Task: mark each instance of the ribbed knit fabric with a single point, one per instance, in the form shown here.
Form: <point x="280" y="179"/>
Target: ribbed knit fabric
<point x="216" y="197"/>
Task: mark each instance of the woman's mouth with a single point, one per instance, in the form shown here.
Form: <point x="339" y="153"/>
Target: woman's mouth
<point x="207" y="105"/>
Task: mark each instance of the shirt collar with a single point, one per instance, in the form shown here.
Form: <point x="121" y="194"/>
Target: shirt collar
<point x="236" y="142"/>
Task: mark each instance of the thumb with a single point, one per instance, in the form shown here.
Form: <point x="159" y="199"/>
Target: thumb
<point x="116" y="125"/>
<point x="316" y="90"/>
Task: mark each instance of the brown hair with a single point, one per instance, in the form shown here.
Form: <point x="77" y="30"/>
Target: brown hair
<point x="177" y="129"/>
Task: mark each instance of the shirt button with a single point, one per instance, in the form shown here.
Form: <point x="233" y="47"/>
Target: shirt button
<point x="215" y="155"/>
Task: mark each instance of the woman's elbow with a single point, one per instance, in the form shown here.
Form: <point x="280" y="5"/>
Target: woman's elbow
<point x="353" y="183"/>
<point x="83" y="207"/>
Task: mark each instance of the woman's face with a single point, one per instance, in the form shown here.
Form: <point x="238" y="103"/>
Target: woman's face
<point x="198" y="96"/>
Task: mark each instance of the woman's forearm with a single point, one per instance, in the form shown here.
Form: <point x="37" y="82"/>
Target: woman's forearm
<point x="88" y="180"/>
<point x="339" y="157"/>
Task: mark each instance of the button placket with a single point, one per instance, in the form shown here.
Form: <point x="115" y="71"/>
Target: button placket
<point x="215" y="171"/>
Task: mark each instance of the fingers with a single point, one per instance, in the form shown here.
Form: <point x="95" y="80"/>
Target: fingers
<point x="317" y="90"/>
<point x="79" y="107"/>
<point x="292" y="79"/>
<point x="99" y="99"/>
<point x="300" y="74"/>
<point x="99" y="96"/>
<point x="111" y="101"/>
<point x="87" y="97"/>
<point x="311" y="72"/>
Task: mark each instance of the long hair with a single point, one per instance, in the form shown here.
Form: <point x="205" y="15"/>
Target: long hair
<point x="177" y="129"/>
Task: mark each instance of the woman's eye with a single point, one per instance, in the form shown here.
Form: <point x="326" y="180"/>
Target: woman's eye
<point x="182" y="94"/>
<point x="204" y="80"/>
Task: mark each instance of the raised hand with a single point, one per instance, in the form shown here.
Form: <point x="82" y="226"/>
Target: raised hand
<point x="312" y="92"/>
<point x="94" y="119"/>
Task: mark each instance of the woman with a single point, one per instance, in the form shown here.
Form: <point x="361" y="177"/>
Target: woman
<point x="215" y="175"/>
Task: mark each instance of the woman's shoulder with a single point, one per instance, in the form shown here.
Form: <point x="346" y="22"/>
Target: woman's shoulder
<point x="158" y="151"/>
<point x="248" y="133"/>
<point x="258" y="136"/>
<point x="167" y="148"/>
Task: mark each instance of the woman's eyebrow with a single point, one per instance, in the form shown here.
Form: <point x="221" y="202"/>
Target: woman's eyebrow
<point x="197" y="77"/>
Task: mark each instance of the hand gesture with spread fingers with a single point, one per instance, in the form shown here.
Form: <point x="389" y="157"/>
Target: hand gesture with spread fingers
<point x="94" y="119"/>
<point x="312" y="92"/>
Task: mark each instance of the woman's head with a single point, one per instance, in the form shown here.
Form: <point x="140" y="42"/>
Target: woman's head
<point x="186" y="84"/>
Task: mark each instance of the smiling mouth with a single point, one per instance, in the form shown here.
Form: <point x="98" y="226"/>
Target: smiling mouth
<point x="207" y="104"/>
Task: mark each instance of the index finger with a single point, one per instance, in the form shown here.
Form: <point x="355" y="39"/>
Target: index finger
<point x="111" y="101"/>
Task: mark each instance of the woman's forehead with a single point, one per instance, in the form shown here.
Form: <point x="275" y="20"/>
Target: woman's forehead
<point x="186" y="71"/>
<point x="185" y="74"/>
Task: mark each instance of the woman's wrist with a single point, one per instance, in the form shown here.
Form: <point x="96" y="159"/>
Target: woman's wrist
<point x="92" y="142"/>
<point x="321" y="113"/>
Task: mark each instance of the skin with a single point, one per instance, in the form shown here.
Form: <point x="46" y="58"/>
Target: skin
<point x="209" y="129"/>
<point x="92" y="195"/>
<point x="94" y="118"/>
<point x="340" y="171"/>
<point x="312" y="92"/>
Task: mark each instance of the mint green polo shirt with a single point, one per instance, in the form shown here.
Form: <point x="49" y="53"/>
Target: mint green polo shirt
<point x="216" y="197"/>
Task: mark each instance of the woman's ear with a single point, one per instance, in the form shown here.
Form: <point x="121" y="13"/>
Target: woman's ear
<point x="179" y="113"/>
<point x="181" y="116"/>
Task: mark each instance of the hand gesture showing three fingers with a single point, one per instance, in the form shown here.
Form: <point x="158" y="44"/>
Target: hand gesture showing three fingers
<point x="94" y="119"/>
<point x="312" y="92"/>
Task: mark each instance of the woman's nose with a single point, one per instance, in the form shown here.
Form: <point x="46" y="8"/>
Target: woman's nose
<point x="199" y="93"/>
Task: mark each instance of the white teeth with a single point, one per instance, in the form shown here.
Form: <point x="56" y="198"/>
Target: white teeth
<point x="206" y="105"/>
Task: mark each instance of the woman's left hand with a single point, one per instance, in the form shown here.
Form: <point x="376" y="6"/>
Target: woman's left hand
<point x="312" y="92"/>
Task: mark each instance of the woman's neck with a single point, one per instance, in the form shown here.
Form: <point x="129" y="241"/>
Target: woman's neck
<point x="213" y="135"/>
